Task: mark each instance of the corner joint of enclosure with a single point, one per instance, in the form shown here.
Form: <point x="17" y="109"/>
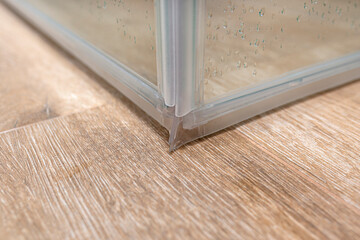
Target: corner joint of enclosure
<point x="179" y="135"/>
<point x="180" y="44"/>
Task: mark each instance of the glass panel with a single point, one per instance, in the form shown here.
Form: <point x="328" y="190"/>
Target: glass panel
<point x="124" y="29"/>
<point x="251" y="42"/>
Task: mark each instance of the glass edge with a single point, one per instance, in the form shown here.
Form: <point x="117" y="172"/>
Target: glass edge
<point x="182" y="134"/>
<point x="295" y="80"/>
<point x="142" y="92"/>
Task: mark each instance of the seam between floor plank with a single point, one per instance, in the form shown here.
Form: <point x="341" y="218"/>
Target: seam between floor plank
<point x="50" y="119"/>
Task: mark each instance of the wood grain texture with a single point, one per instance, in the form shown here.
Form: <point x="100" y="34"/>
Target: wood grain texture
<point x="101" y="169"/>
<point x="38" y="81"/>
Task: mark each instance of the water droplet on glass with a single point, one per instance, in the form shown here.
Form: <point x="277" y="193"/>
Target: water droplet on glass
<point x="225" y="25"/>
<point x="214" y="73"/>
<point x="262" y="12"/>
<point x="238" y="65"/>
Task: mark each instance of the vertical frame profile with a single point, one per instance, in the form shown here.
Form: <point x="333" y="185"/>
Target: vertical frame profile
<point x="180" y="60"/>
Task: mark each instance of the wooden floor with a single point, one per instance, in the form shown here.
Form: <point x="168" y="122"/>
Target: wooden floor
<point x="80" y="161"/>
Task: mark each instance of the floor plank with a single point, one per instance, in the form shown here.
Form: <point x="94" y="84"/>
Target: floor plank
<point x="320" y="137"/>
<point x="95" y="174"/>
<point x="38" y="81"/>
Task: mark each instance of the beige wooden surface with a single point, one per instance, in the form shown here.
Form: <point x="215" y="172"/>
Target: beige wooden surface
<point x="80" y="161"/>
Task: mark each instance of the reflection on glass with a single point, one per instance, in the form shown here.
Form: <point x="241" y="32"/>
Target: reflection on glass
<point x="250" y="42"/>
<point x="124" y="29"/>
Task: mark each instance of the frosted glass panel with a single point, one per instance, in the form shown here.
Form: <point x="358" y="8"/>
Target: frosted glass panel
<point x="252" y="42"/>
<point x="125" y="30"/>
